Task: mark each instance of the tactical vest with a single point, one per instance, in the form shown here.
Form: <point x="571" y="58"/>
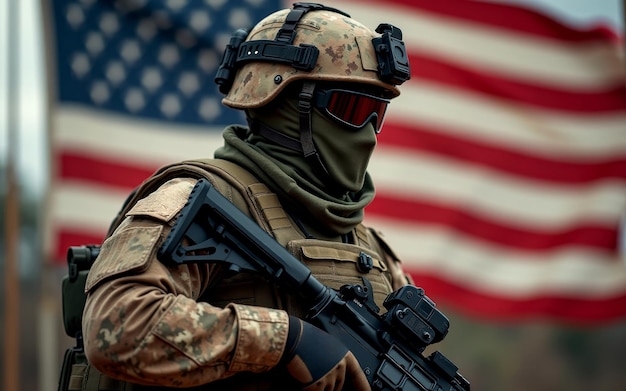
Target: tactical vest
<point x="332" y="263"/>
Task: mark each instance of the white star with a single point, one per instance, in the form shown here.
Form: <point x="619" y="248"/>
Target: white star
<point x="74" y="15"/>
<point x="99" y="92"/>
<point x="94" y="43"/>
<point x="151" y="79"/>
<point x="109" y="23"/>
<point x="189" y="83"/>
<point x="131" y="51"/>
<point x="239" y="18"/>
<point x="209" y="109"/>
<point x="134" y="100"/>
<point x="170" y="105"/>
<point x="169" y="55"/>
<point x="199" y="21"/>
<point x="115" y="72"/>
<point x="176" y="5"/>
<point x="80" y="65"/>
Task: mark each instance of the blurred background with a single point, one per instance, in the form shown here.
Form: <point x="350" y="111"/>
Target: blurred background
<point x="500" y="173"/>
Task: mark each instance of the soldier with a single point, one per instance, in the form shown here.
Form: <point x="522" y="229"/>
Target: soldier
<point x="314" y="85"/>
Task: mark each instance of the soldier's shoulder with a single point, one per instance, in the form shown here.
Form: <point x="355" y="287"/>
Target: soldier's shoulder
<point x="165" y="203"/>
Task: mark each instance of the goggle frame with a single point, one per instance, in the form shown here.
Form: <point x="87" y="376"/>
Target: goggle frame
<point x="345" y="102"/>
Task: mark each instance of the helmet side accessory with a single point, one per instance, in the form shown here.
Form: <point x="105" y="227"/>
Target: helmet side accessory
<point x="280" y="50"/>
<point x="389" y="60"/>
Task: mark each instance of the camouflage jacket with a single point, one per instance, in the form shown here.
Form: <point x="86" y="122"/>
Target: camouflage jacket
<point x="147" y="323"/>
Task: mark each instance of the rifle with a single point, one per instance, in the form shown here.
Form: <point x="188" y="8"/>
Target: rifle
<point x="388" y="346"/>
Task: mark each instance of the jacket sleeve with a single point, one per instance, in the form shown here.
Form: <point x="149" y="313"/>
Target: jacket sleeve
<point x="142" y="322"/>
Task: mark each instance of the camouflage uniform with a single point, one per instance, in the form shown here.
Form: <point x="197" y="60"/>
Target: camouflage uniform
<point x="143" y="322"/>
<point x="149" y="323"/>
<point x="150" y="327"/>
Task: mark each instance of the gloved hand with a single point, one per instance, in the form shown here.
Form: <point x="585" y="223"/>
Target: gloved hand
<point x="320" y="361"/>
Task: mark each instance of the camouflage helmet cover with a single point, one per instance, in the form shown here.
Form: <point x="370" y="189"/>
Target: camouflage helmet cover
<point x="346" y="55"/>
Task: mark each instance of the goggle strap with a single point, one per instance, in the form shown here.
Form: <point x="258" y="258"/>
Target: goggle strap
<point x="306" y="128"/>
<point x="275" y="136"/>
<point x="304" y="108"/>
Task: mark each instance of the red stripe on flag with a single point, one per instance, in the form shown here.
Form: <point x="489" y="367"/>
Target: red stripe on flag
<point x="420" y="138"/>
<point x="423" y="212"/>
<point x="117" y="173"/>
<point x="67" y="237"/>
<point x="515" y="18"/>
<point x="578" y="309"/>
<point x="575" y="102"/>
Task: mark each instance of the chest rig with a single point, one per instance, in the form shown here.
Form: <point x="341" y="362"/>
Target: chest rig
<point x="333" y="263"/>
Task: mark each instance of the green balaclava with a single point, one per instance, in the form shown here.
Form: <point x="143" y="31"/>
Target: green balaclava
<point x="335" y="201"/>
<point x="344" y="152"/>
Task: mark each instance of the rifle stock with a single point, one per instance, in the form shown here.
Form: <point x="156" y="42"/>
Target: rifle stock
<point x="388" y="347"/>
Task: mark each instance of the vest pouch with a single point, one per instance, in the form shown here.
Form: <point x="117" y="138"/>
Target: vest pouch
<point x="72" y="370"/>
<point x="336" y="264"/>
<point x="74" y="297"/>
<point x="87" y="378"/>
<point x="78" y="375"/>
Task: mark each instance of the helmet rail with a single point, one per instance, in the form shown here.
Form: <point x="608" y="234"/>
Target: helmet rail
<point x="392" y="64"/>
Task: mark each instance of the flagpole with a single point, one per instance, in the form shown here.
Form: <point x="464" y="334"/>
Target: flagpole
<point x="12" y="218"/>
<point x="52" y="339"/>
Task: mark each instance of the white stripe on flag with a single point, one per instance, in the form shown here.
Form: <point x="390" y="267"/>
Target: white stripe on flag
<point x="524" y="203"/>
<point x="488" y="268"/>
<point x="511" y="124"/>
<point x="522" y="56"/>
<point x="130" y="139"/>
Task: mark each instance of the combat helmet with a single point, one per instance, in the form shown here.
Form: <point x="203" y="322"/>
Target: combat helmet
<point x="295" y="44"/>
<point x="313" y="43"/>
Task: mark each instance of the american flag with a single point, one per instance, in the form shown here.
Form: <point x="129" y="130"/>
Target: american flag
<point x="500" y="171"/>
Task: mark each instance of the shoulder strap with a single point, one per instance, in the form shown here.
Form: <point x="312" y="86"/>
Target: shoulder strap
<point x="263" y="204"/>
<point x="151" y="184"/>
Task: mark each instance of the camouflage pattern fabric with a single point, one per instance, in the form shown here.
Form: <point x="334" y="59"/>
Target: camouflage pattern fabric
<point x="346" y="55"/>
<point x="142" y="322"/>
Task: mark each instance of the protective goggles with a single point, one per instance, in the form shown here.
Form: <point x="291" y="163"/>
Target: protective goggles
<point x="351" y="108"/>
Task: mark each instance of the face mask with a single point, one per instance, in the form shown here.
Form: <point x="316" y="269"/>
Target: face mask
<point x="345" y="151"/>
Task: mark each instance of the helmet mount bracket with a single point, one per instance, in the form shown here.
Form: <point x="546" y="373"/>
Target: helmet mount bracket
<point x="393" y="62"/>
<point x="279" y="50"/>
<point x="391" y="55"/>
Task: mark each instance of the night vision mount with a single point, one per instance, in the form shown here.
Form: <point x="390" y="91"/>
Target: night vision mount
<point x="393" y="62"/>
<point x="280" y="50"/>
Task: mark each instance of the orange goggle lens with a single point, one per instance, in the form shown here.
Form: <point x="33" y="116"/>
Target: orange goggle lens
<point x="351" y="108"/>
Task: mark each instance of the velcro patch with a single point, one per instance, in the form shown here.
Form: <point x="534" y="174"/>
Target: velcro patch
<point x="367" y="54"/>
<point x="165" y="203"/>
<point x="129" y="250"/>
